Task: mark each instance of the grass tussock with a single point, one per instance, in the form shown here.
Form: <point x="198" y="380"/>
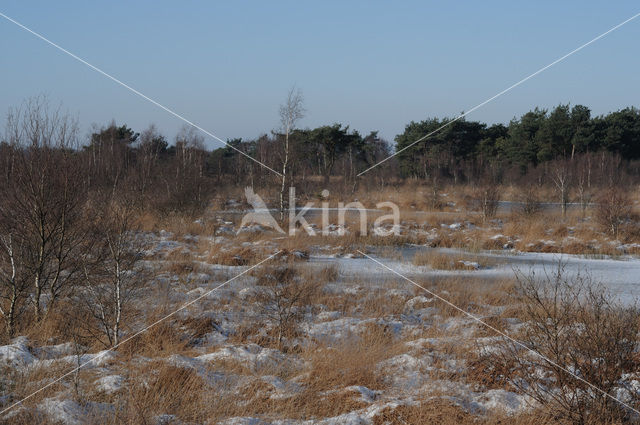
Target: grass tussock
<point x="442" y="411"/>
<point x="443" y="261"/>
<point x="233" y="256"/>
<point x="350" y="362"/>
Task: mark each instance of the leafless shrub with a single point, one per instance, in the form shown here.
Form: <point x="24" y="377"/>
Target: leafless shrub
<point x="585" y="344"/>
<point x="283" y="296"/>
<point x="530" y="202"/>
<point x="613" y="210"/>
<point x="434" y="198"/>
<point x="488" y="198"/>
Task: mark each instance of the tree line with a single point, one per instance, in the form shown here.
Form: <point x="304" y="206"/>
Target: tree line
<point x="464" y="149"/>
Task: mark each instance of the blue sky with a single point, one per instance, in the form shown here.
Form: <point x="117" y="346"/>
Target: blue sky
<point x="372" y="65"/>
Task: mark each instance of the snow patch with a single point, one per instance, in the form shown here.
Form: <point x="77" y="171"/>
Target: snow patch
<point x="17" y="354"/>
<point x="251" y="355"/>
<point x="69" y="412"/>
<point x="109" y="384"/>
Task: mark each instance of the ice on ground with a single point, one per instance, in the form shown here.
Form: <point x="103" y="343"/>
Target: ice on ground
<point x="464" y="326"/>
<point x="366" y="395"/>
<point x="488" y="345"/>
<point x="507" y="401"/>
<point x="17" y="354"/>
<point x="166" y="419"/>
<point x="481" y="402"/>
<point x="359" y="417"/>
<point x="244" y="421"/>
<point x="398" y="292"/>
<point x="69" y="412"/>
<point x="252" y="356"/>
<point x="215" y="338"/>
<point x="418" y="300"/>
<point x="87" y="361"/>
<point x="406" y="371"/>
<point x="629" y="387"/>
<point x="55" y="351"/>
<point x="254" y="228"/>
<point x="395" y="229"/>
<point x="333" y="330"/>
<point x="282" y="389"/>
<point x="200" y="367"/>
<point x="470" y="264"/>
<point x="109" y="384"/>
<point x="325" y="316"/>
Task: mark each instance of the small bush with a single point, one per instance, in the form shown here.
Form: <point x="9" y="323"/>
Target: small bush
<point x="283" y="297"/>
<point x="530" y="202"/>
<point x="613" y="209"/>
<point x="573" y="329"/>
<point x="487" y="198"/>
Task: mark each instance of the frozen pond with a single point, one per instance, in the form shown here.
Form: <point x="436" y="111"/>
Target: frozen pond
<point x="620" y="276"/>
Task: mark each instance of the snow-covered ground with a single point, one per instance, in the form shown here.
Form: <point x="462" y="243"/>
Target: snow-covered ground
<point x="417" y="370"/>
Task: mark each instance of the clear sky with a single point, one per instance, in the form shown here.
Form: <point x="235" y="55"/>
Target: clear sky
<point x="372" y="65"/>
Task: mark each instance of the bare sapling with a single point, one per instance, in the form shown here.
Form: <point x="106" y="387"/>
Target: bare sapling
<point x="290" y="113"/>
<point x="111" y="275"/>
<point x="283" y="297"/>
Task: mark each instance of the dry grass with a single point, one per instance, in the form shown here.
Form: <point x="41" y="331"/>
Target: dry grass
<point x="350" y="361"/>
<point x="153" y="391"/>
<point x="469" y="294"/>
<point x="234" y="255"/>
<point x="180" y="224"/>
<point x="442" y="411"/>
<point x="162" y="339"/>
<point x="381" y="304"/>
<point x="441" y="261"/>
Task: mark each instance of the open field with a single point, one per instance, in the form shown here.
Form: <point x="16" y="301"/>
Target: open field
<point x="323" y="334"/>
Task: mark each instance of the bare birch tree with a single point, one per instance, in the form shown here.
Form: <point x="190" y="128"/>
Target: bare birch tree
<point x="290" y="113"/>
<point x="13" y="283"/>
<point x="42" y="198"/>
<point x="110" y="273"/>
<point x="562" y="179"/>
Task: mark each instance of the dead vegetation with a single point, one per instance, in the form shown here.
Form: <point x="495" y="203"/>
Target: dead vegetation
<point x="584" y="348"/>
<point x="452" y="261"/>
<point x="300" y="341"/>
